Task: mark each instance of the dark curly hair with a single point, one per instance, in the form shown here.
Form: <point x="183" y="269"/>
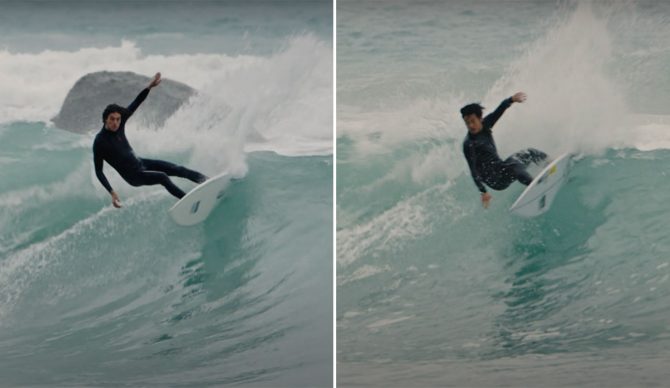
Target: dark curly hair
<point x="113" y="108"/>
<point x="470" y="109"/>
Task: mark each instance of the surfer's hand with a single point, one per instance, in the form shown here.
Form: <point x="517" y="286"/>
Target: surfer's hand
<point x="116" y="202"/>
<point x="519" y="97"/>
<point x="155" y="81"/>
<point x="486" y="198"/>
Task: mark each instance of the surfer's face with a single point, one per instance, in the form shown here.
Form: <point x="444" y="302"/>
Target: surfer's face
<point x="473" y="123"/>
<point x="113" y="121"/>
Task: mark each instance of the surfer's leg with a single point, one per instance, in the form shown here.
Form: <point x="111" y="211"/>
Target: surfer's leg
<point x="530" y="155"/>
<point x="149" y="178"/>
<point x="520" y="173"/>
<point x="517" y="163"/>
<point x="516" y="169"/>
<point x="173" y="170"/>
<point x="499" y="180"/>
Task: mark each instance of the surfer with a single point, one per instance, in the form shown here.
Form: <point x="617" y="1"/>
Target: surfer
<point x="480" y="151"/>
<point x="112" y="146"/>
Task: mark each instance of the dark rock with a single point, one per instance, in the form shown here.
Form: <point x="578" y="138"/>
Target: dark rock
<point x="82" y="110"/>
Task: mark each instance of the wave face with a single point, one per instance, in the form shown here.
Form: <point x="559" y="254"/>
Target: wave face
<point x="91" y="295"/>
<point x="435" y="290"/>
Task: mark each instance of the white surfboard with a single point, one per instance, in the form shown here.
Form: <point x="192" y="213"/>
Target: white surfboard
<point x="198" y="203"/>
<point x="540" y="193"/>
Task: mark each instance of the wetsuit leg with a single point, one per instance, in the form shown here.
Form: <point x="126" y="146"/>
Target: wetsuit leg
<point x="530" y="155"/>
<point x="516" y="164"/>
<point x="518" y="171"/>
<point x="501" y="179"/>
<point x="148" y="178"/>
<point x="172" y="169"/>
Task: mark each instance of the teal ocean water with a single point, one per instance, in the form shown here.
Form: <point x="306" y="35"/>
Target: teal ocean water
<point x="95" y="296"/>
<point x="433" y="290"/>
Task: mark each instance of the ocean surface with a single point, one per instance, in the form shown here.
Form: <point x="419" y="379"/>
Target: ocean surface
<point x="434" y="290"/>
<point x="95" y="296"/>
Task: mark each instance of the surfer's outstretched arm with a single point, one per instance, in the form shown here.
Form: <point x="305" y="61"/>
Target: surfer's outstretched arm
<point x="135" y="104"/>
<point x="155" y="81"/>
<point x="490" y="119"/>
<point x="142" y="96"/>
<point x="470" y="157"/>
<point x="98" y="162"/>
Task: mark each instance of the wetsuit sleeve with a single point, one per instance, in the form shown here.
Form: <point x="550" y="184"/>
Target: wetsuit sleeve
<point x="136" y="103"/>
<point x="470" y="157"/>
<point x="490" y="120"/>
<point x="98" y="162"/>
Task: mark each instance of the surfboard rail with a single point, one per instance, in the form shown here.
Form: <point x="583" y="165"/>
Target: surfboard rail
<point x="198" y="203"/>
<point x="537" y="198"/>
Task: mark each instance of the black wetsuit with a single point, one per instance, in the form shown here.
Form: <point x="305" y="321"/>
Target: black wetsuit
<point x="113" y="147"/>
<point x="485" y="164"/>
